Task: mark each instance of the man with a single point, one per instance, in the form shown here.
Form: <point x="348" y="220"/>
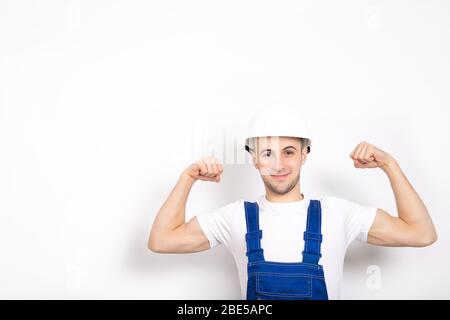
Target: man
<point x="287" y="245"/>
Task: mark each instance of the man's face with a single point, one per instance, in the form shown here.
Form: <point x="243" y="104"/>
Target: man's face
<point x="278" y="160"/>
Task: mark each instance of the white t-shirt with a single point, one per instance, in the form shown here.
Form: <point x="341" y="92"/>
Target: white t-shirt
<point x="282" y="225"/>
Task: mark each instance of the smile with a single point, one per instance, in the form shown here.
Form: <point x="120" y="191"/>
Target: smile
<point x="279" y="177"/>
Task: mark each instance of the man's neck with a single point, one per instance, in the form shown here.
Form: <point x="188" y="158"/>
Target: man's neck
<point x="288" y="197"/>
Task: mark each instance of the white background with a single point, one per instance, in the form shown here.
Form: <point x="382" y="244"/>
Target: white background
<point x="104" y="103"/>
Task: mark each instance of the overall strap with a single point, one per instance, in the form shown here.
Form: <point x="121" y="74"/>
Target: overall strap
<point x="312" y="235"/>
<point x="254" y="234"/>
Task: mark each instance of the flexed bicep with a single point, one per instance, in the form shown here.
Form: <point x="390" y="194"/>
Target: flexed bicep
<point x="391" y="231"/>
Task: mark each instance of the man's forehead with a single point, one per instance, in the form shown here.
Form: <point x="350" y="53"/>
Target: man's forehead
<point x="281" y="142"/>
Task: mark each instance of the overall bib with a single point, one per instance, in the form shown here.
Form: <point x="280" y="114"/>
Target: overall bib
<point x="269" y="280"/>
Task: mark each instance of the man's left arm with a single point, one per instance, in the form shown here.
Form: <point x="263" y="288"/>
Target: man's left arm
<point x="413" y="227"/>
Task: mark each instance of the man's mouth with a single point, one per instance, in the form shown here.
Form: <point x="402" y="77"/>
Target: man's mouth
<point x="279" y="177"/>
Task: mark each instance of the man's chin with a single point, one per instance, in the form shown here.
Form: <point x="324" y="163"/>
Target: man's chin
<point x="278" y="190"/>
<point x="282" y="188"/>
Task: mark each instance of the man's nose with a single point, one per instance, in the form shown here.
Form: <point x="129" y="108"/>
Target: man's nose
<point x="277" y="163"/>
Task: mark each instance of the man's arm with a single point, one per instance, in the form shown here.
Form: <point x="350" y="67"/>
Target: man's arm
<point x="170" y="233"/>
<point x="413" y="227"/>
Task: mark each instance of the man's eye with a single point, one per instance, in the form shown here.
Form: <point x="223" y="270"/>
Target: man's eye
<point x="267" y="154"/>
<point x="289" y="152"/>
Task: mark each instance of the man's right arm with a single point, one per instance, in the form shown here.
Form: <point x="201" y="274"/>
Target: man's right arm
<point x="170" y="233"/>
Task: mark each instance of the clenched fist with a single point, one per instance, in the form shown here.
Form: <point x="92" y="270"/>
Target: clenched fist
<point x="366" y="155"/>
<point x="206" y="169"/>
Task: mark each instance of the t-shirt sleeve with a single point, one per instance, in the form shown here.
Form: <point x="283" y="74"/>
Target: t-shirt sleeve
<point x="358" y="220"/>
<point x="217" y="224"/>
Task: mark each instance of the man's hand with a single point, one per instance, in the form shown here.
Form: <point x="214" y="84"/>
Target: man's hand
<point x="206" y="169"/>
<point x="366" y="155"/>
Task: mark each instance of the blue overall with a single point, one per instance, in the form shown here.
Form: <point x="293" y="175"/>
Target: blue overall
<point x="269" y="280"/>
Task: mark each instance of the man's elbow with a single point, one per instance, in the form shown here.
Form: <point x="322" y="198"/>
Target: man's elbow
<point x="156" y="247"/>
<point x="428" y="240"/>
<point x="155" y="244"/>
<point x="153" y="247"/>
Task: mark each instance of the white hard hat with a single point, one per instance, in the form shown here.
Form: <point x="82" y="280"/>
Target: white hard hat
<point x="278" y="121"/>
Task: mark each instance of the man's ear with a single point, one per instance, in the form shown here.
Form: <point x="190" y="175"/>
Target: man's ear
<point x="304" y="155"/>
<point x="255" y="160"/>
